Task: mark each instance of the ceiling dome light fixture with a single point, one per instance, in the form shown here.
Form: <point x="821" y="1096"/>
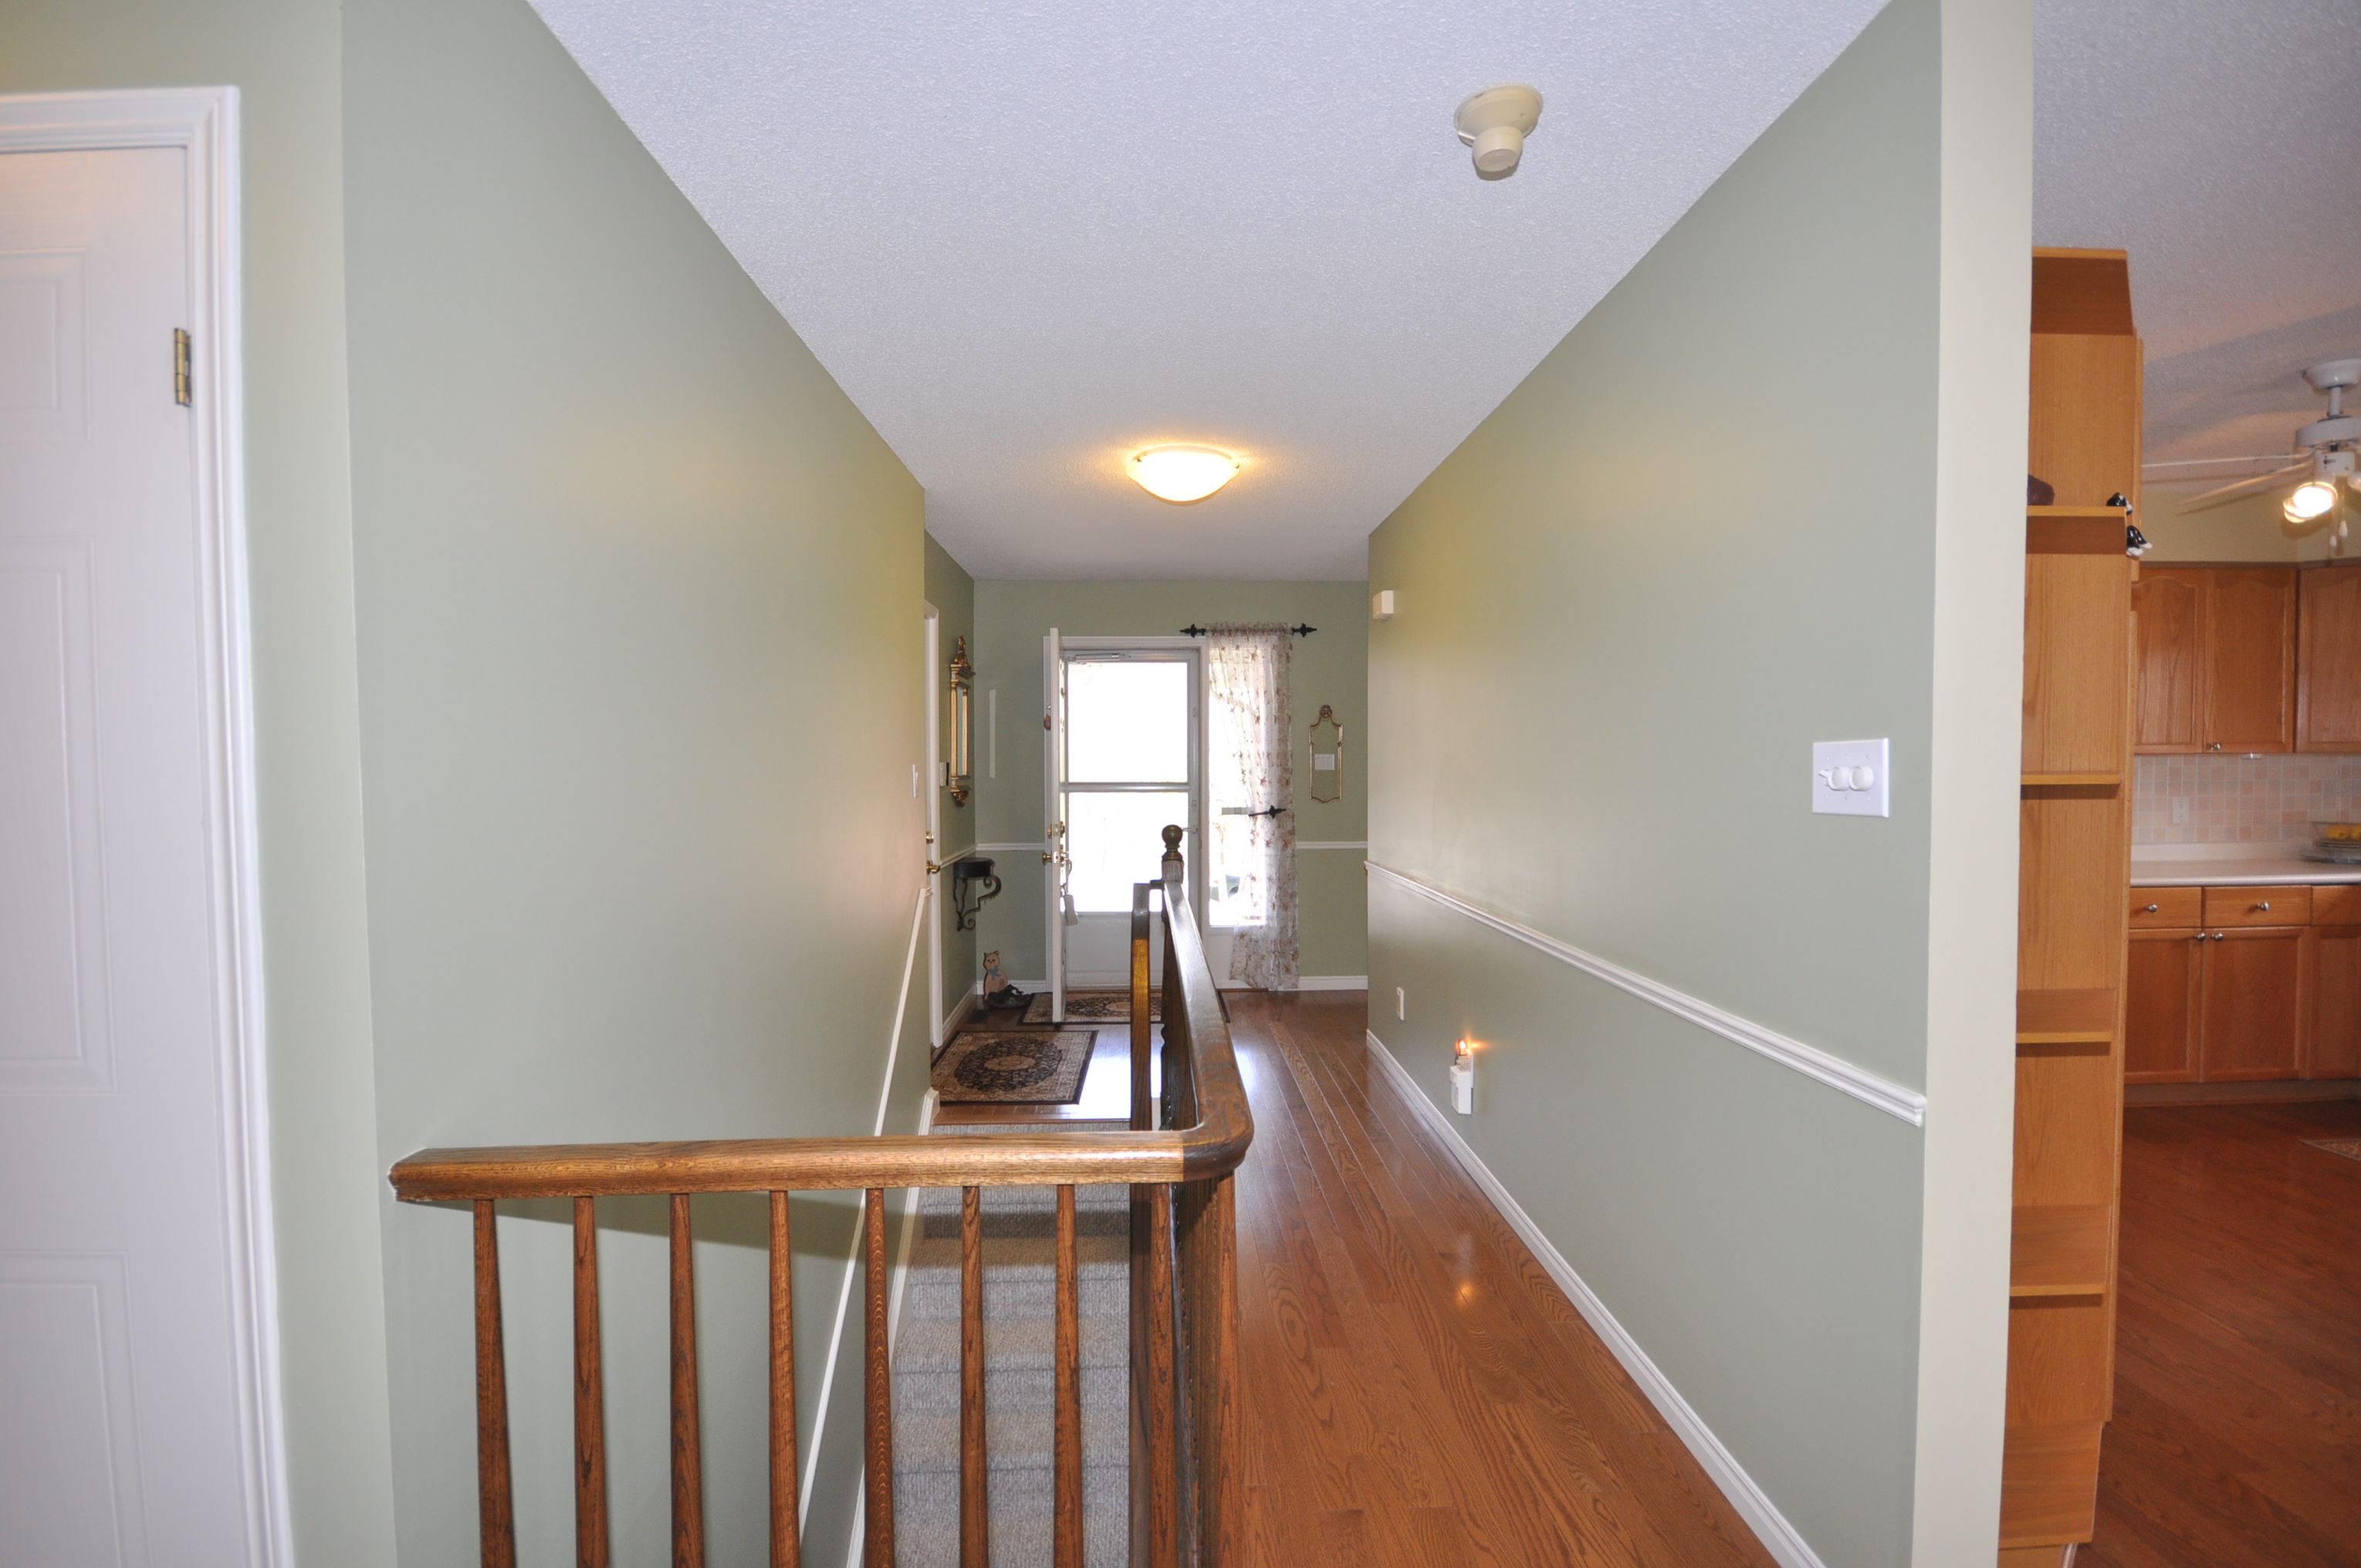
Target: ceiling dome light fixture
<point x="1495" y="123"/>
<point x="2310" y="500"/>
<point x="1183" y="473"/>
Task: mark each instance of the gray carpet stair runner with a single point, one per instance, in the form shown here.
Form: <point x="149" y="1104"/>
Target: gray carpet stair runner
<point x="1019" y="1337"/>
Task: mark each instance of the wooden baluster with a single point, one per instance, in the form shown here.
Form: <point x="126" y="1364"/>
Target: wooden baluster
<point x="1208" y="1240"/>
<point x="975" y="1514"/>
<point x="687" y="1477"/>
<point x="591" y="1548"/>
<point x="786" y="1548"/>
<point x="1143" y="1093"/>
<point x="1154" y="1472"/>
<point x="1067" y="1450"/>
<point x="495" y="1501"/>
<point x="877" y="1544"/>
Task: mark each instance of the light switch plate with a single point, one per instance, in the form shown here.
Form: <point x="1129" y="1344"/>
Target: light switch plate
<point x="1851" y="778"/>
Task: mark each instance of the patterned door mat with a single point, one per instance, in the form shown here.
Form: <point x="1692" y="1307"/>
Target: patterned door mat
<point x="1021" y="1067"/>
<point x="1096" y="1007"/>
<point x="2349" y="1147"/>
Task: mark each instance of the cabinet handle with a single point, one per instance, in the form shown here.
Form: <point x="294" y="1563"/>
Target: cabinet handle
<point x="2264" y="907"/>
<point x="2217" y="936"/>
<point x="2147" y="909"/>
<point x="2201" y="936"/>
<point x="2215" y="747"/>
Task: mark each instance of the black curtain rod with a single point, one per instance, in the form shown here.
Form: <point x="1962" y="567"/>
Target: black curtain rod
<point x="1193" y="630"/>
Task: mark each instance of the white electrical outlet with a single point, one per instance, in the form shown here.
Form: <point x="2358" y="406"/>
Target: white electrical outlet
<point x="1850" y="778"/>
<point x="1401" y="1003"/>
<point x="2180" y="811"/>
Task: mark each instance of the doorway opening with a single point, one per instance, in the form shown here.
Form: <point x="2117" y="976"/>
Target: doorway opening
<point x="1128" y="759"/>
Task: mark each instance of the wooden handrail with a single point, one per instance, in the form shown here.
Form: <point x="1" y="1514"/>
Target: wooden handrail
<point x="1184" y="1367"/>
<point x="1212" y="1147"/>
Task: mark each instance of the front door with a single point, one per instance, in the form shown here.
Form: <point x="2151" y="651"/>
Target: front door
<point x="120" y="1295"/>
<point x="1130" y="727"/>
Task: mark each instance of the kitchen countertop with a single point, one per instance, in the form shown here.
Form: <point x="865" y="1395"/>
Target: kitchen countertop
<point x="2278" y="870"/>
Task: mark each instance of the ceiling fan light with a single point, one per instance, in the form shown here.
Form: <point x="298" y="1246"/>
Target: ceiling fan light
<point x="2310" y="499"/>
<point x="1183" y="473"/>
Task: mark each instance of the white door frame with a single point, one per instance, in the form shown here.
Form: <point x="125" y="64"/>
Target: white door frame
<point x="1200" y="746"/>
<point x="203" y="123"/>
<point x="938" y="674"/>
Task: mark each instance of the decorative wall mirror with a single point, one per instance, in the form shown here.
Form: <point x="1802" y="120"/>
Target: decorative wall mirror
<point x="961" y="765"/>
<point x="1326" y="782"/>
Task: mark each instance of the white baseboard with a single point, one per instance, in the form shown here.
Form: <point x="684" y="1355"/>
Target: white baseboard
<point x="961" y="1011"/>
<point x="852" y="1258"/>
<point x="1332" y="983"/>
<point x="1753" y="1505"/>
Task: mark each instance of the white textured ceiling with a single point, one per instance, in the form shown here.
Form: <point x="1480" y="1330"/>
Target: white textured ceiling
<point x="1027" y="238"/>
<point x="2219" y="141"/>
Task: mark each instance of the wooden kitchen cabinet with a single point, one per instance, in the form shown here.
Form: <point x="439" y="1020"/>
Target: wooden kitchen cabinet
<point x="2250" y="1012"/>
<point x="2335" y="1003"/>
<point x="2328" y="659"/>
<point x="2217" y="659"/>
<point x="2168" y="605"/>
<point x="2235" y="982"/>
<point x="2248" y="647"/>
<point x="2160" y="1013"/>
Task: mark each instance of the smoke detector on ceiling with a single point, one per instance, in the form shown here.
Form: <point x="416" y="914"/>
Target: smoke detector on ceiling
<point x="1495" y="123"/>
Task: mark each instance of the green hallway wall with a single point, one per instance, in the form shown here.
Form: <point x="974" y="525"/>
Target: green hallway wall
<point x="1593" y="714"/>
<point x="953" y="593"/>
<point x="640" y="648"/>
<point x="283" y="58"/>
<point x="1330" y="667"/>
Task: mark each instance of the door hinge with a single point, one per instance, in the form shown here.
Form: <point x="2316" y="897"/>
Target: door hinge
<point x="181" y="394"/>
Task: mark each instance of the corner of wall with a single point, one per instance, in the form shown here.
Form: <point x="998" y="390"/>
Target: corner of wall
<point x="1978" y="611"/>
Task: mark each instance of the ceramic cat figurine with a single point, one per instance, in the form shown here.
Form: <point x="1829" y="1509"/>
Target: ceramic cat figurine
<point x="994" y="978"/>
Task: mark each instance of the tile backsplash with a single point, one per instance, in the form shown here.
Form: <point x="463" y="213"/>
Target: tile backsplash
<point x="2242" y="800"/>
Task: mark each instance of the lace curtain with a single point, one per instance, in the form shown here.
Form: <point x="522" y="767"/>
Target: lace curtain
<point x="1254" y="795"/>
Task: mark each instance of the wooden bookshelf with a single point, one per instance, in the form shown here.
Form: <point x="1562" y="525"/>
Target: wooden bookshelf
<point x="2046" y="1492"/>
<point x="2060" y="1249"/>
<point x="2073" y="873"/>
<point x="2085" y="1015"/>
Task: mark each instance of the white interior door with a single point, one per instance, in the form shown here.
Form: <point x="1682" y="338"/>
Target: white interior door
<point x="121" y="1434"/>
<point x="1055" y="863"/>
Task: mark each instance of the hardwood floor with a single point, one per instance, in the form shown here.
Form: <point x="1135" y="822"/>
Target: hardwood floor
<point x="2237" y="1432"/>
<point x="1418" y="1390"/>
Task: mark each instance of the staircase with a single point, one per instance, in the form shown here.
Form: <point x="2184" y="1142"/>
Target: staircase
<point x="1019" y="1240"/>
<point x="1070" y="1336"/>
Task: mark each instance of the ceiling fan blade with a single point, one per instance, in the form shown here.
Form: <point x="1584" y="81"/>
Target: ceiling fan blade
<point x="2246" y="487"/>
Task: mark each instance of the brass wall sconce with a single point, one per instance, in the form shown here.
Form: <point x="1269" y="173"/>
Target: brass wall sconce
<point x="1325" y="780"/>
<point x="962" y="767"/>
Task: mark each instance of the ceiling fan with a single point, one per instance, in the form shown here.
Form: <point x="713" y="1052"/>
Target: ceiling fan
<point x="2325" y="452"/>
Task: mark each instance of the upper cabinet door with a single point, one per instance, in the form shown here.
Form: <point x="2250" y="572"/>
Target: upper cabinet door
<point x="2247" y="638"/>
<point x="2328" y="672"/>
<point x="2168" y="605"/>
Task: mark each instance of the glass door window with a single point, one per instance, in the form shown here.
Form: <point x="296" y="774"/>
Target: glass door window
<point x="1127" y="770"/>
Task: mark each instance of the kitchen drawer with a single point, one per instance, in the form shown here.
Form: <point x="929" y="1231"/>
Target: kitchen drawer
<point x="2257" y="907"/>
<point x="2158" y="908"/>
<point x="2336" y="904"/>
